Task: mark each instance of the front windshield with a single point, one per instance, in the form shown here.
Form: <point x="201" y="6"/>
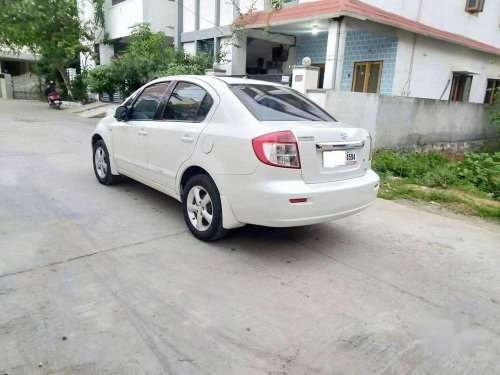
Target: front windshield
<point x="275" y="103"/>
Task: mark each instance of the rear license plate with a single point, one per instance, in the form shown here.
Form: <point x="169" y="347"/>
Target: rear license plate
<point x="332" y="159"/>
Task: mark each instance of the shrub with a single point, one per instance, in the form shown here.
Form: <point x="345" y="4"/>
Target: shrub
<point x="148" y="56"/>
<point x="79" y="89"/>
<point x="102" y="80"/>
<point x="481" y="170"/>
<point x="477" y="171"/>
<point x="432" y="168"/>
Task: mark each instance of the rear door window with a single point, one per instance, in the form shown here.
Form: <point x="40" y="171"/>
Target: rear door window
<point x="188" y="102"/>
<point x="275" y="103"/>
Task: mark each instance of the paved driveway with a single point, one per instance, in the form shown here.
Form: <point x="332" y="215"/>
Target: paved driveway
<point x="97" y="280"/>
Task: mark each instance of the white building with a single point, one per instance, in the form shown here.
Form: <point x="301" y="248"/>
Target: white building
<point x="447" y="49"/>
<point x="122" y="15"/>
<point x="16" y="63"/>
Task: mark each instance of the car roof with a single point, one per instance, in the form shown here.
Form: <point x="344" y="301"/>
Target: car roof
<point x="226" y="79"/>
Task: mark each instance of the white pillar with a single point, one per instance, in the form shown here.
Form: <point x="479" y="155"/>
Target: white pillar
<point x="234" y="54"/>
<point x="239" y="55"/>
<point x="3" y="89"/>
<point x="305" y="78"/>
<point x="334" y="55"/>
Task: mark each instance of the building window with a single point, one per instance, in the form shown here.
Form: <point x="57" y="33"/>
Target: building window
<point x="367" y="75"/>
<point x="205" y="46"/>
<point x="492" y="87"/>
<point x="460" y="87"/>
<point x="119" y="48"/>
<point x="474" y="6"/>
<point x="114" y="2"/>
<point x="97" y="54"/>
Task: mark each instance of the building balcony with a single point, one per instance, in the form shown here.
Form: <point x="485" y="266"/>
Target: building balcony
<point x="122" y="15"/>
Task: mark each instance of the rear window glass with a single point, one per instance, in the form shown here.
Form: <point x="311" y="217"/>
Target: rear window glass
<point x="274" y="103"/>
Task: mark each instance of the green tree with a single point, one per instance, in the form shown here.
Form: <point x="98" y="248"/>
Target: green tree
<point x="50" y="28"/>
<point x="148" y="56"/>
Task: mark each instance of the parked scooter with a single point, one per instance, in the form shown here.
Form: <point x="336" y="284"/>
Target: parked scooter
<point x="54" y="100"/>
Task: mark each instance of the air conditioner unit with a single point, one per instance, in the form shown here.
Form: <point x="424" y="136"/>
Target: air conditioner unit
<point x="474" y="6"/>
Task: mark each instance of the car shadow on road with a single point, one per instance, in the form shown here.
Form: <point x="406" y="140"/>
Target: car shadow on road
<point x="316" y="240"/>
<point x="323" y="237"/>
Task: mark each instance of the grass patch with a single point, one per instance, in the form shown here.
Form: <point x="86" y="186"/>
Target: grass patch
<point x="467" y="184"/>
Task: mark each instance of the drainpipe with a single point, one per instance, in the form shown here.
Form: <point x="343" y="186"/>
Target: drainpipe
<point x="407" y="85"/>
<point x="179" y="27"/>
<point x="337" y="42"/>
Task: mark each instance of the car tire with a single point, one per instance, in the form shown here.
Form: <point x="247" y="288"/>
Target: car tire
<point x="202" y="208"/>
<point x="102" y="166"/>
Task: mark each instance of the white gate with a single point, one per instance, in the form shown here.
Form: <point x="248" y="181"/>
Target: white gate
<point x="26" y="86"/>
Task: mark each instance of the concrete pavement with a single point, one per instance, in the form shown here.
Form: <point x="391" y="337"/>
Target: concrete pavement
<point x="107" y="280"/>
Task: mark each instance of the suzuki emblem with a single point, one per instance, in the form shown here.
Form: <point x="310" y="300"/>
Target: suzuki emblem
<point x="343" y="136"/>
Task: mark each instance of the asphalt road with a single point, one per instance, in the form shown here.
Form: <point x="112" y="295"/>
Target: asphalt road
<point x="107" y="280"/>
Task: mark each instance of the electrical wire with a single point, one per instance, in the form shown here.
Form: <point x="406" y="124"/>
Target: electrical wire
<point x="224" y="31"/>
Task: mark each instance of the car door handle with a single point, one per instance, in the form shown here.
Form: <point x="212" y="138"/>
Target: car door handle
<point x="187" y="139"/>
<point x="142" y="132"/>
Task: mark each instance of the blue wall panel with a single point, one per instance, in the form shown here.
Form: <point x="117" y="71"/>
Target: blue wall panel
<point x="313" y="46"/>
<point x="364" y="46"/>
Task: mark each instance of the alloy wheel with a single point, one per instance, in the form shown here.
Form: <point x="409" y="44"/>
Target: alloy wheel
<point x="199" y="208"/>
<point x="100" y="162"/>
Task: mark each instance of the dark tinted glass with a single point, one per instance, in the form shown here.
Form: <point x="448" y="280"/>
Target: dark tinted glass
<point x="205" y="106"/>
<point x="274" y="103"/>
<point x="188" y="102"/>
<point x="146" y="105"/>
<point x="130" y="99"/>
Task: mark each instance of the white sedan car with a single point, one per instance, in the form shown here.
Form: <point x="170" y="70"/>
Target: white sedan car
<point x="237" y="151"/>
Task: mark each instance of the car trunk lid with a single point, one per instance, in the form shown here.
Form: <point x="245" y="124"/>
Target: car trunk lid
<point x="329" y="151"/>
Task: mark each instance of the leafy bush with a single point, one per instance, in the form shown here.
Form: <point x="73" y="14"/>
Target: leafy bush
<point x="148" y="56"/>
<point x="477" y="172"/>
<point x="79" y="89"/>
<point x="177" y="69"/>
<point x="430" y="169"/>
<point x="102" y="80"/>
<point x="482" y="171"/>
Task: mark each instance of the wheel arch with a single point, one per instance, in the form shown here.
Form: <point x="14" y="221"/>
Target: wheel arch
<point x="101" y="133"/>
<point x="96" y="137"/>
<point x="190" y="172"/>
<point x="229" y="220"/>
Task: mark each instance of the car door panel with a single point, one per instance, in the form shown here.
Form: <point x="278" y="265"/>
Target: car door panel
<point x="170" y="145"/>
<point x="130" y="138"/>
<point x="130" y="147"/>
<point x="173" y="140"/>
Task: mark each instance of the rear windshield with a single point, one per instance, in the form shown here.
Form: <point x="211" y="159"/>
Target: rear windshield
<point x="275" y="103"/>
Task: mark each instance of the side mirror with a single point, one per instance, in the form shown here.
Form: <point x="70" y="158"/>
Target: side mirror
<point x="121" y="113"/>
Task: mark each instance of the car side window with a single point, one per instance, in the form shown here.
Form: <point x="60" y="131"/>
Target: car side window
<point x="188" y="102"/>
<point x="147" y="104"/>
<point x="128" y="102"/>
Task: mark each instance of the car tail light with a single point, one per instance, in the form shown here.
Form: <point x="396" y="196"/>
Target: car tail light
<point x="279" y="149"/>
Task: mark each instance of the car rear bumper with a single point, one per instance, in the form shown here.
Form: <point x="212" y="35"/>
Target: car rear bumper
<point x="267" y="202"/>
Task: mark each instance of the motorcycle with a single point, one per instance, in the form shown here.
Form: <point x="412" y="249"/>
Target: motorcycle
<point x="54" y="100"/>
